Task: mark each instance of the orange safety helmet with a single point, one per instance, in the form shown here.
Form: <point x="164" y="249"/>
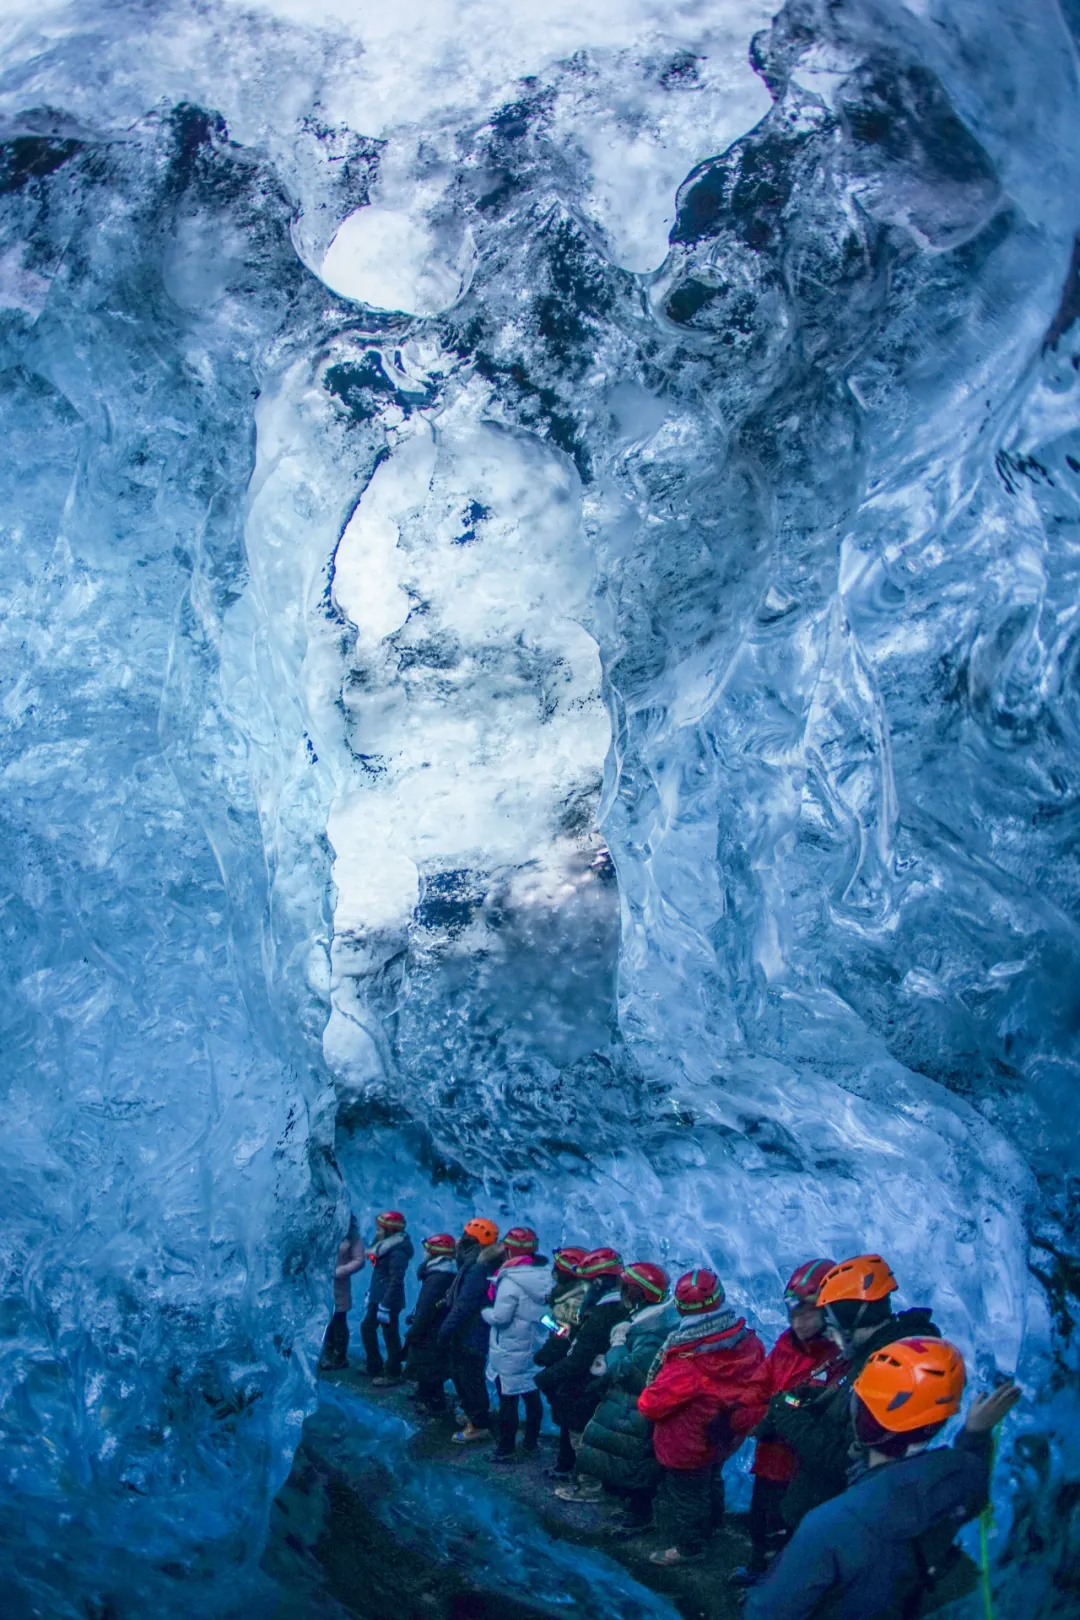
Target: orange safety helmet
<point x="484" y="1231"/>
<point x="912" y="1384"/>
<point x="865" y="1278"/>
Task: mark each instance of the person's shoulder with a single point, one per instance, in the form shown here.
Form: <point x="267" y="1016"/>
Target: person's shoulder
<point x="916" y="1322"/>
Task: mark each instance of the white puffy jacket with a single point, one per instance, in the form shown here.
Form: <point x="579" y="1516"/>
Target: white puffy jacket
<point x="520" y="1301"/>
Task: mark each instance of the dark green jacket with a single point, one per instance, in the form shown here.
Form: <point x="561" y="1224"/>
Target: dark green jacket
<point x="617" y="1447"/>
<point x="816" y="1423"/>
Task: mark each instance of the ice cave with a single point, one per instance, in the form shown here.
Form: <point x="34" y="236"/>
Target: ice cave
<point x="540" y="678"/>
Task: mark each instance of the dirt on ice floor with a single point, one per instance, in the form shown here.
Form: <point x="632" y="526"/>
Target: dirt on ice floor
<point x="326" y="1540"/>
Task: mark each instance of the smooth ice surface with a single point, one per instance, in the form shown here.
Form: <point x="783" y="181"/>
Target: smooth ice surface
<point x="594" y="718"/>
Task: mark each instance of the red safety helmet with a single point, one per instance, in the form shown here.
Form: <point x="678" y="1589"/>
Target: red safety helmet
<point x="698" y="1292"/>
<point x="804" y="1284"/>
<point x="391" y="1220"/>
<point x="567" y="1260"/>
<point x="521" y="1240"/>
<point x="440" y="1243"/>
<point x="600" y="1263"/>
<point x="652" y="1280"/>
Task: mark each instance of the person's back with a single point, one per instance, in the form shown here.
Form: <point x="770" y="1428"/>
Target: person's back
<point x="386" y="1296"/>
<point x="567" y="1377"/>
<point x="616" y="1449"/>
<point x="426" y="1360"/>
<point x="518" y="1306"/>
<point x="814" y="1422"/>
<point x="464" y="1334"/>
<point x="875" y="1551"/>
<point x="703" y="1373"/>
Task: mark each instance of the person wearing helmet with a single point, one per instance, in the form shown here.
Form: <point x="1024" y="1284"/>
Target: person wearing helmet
<point x="569" y="1382"/>
<point x="616" y="1448"/>
<point x="514" y="1316"/>
<point x="856" y="1297"/>
<point x="802" y="1354"/>
<point x="426" y="1360"/>
<point x="464" y="1333"/>
<point x="389" y="1256"/>
<point x="569" y="1293"/>
<point x="884" y="1548"/>
<point x="350" y="1260"/>
<point x="693" y="1393"/>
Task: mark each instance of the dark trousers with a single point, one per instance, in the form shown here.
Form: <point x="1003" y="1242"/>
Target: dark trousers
<point x="639" y="1504"/>
<point x="369" y="1333"/>
<point x="335" y="1350"/>
<point x="567" y="1457"/>
<point x="471" y="1386"/>
<point x="691" y="1506"/>
<point x="508" y="1420"/>
<point x="430" y="1393"/>
<point x="768" y="1532"/>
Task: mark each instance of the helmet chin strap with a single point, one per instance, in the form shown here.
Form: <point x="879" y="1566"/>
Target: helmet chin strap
<point x="845" y="1337"/>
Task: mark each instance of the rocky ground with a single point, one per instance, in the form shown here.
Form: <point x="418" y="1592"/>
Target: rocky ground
<point x="326" y="1540"/>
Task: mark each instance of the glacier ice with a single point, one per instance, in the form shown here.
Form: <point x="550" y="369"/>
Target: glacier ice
<point x="501" y="709"/>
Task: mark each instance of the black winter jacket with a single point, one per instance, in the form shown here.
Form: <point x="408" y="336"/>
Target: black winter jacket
<point x="427" y="1360"/>
<point x="878" y="1550"/>
<point x="816" y="1423"/>
<point x="463" y="1328"/>
<point x="570" y="1386"/>
<point x="392" y="1256"/>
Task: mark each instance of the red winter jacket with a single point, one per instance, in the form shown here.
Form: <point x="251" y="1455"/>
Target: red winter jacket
<point x="788" y="1364"/>
<point x="699" y="1379"/>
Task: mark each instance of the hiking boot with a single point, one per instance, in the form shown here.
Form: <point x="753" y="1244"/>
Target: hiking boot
<point x="670" y="1557"/>
<point x="469" y="1435"/>
<point x="579" y="1490"/>
<point x="386" y="1380"/>
<point x="504" y="1457"/>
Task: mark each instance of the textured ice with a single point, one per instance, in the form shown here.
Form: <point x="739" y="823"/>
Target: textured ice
<point x="501" y="711"/>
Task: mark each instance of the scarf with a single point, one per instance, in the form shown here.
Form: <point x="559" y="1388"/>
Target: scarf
<point x="696" y="1328"/>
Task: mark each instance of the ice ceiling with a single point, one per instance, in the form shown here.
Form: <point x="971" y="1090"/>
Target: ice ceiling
<point x="539" y="670"/>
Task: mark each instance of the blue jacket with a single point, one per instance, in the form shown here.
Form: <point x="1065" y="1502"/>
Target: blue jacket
<point x="463" y="1327"/>
<point x="392" y="1256"/>
<point x="864" y="1555"/>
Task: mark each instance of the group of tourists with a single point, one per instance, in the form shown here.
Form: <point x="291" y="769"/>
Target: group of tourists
<point x="652" y="1388"/>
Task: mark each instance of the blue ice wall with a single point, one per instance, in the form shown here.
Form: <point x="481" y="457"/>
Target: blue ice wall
<point x="602" y="735"/>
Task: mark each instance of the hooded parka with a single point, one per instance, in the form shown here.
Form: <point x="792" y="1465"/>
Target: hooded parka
<point x="463" y="1327"/>
<point x="428" y="1361"/>
<point x="705" y="1370"/>
<point x="521" y="1293"/>
<point x="391" y="1256"/>
<point x="617" y="1446"/>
